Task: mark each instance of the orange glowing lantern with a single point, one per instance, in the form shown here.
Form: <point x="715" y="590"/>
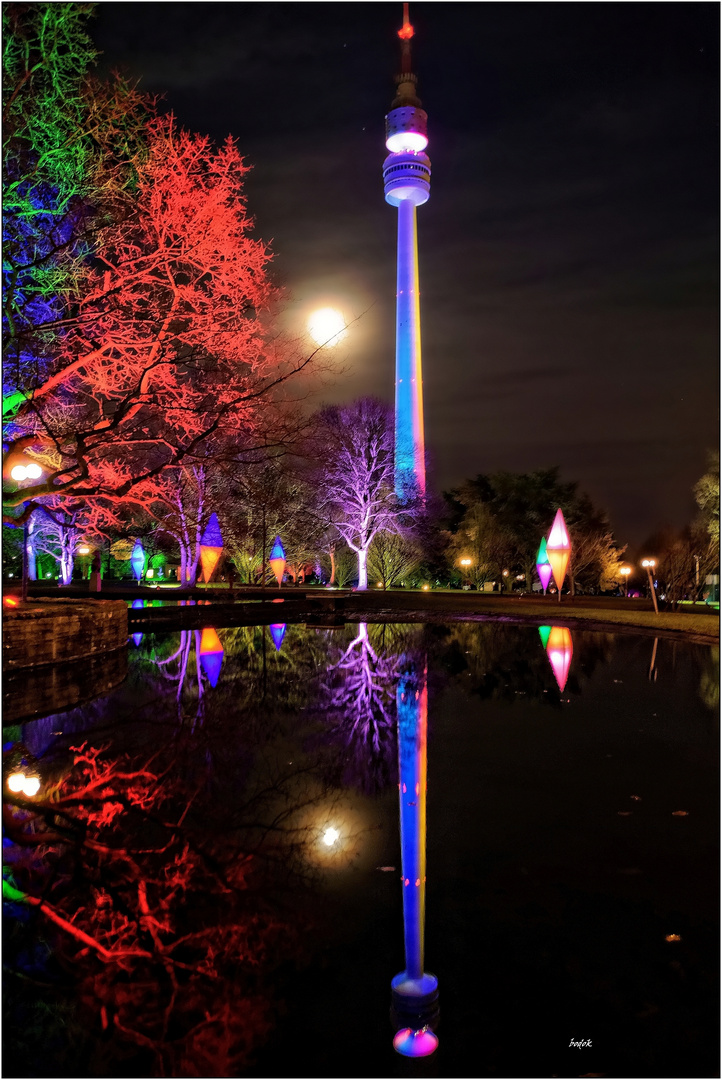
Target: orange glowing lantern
<point x="559" y="549"/>
<point x="278" y="560"/>
<point x="211" y="547"/>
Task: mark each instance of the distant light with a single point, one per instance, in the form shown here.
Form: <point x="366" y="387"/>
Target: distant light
<point x="425" y="588"/>
<point x="48" y="574"/>
<point x="10" y="600"/>
<point x="672" y="937"/>
<point x="83" y="550"/>
<point x="19" y="782"/>
<point x="406" y="141"/>
<point x="150" y="572"/>
<point x="327" y="326"/>
<point x="330" y="837"/>
<point x="465" y="562"/>
<point x="19" y="472"/>
<point x="379" y="584"/>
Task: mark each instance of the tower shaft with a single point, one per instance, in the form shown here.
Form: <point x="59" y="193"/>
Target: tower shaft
<point x="409" y="462"/>
<point x="407" y="181"/>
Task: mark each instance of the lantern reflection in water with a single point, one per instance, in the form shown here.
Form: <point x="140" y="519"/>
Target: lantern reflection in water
<point x="277" y="632"/>
<point x="211" y="651"/>
<point x="137" y="638"/>
<point x="557" y="640"/>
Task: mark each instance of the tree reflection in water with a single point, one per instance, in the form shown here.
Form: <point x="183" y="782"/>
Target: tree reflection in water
<point x="357" y="699"/>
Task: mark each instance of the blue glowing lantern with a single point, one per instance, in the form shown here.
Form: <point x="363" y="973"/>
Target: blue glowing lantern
<point x="278" y="632"/>
<point x="137" y="560"/>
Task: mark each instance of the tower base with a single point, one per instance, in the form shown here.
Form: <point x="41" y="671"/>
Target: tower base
<point x="414" y="1002"/>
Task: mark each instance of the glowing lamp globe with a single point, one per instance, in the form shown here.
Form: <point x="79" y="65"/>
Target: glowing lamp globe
<point x="211" y="547"/>
<point x="137" y="559"/>
<point x="33" y="471"/>
<point x="277" y="632"/>
<point x="559" y="651"/>
<point x="19" y="472"/>
<point x="277" y="559"/>
<point x="327" y="326"/>
<point x="411" y="1043"/>
<point x="559" y="549"/>
<point x="211" y="651"/>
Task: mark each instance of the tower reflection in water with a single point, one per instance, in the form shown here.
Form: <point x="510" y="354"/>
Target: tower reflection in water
<point x="414" y="992"/>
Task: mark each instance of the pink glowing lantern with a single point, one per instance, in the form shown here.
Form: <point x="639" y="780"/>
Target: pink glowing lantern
<point x="211" y="651"/>
<point x="543" y="566"/>
<point x="277" y="559"/>
<point x="412" y="1043"/>
<point x="559" y="549"/>
<point x="559" y="650"/>
<point x="278" y="632"/>
<point x="211" y="547"/>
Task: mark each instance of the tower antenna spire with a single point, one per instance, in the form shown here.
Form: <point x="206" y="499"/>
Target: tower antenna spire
<point x="406" y="33"/>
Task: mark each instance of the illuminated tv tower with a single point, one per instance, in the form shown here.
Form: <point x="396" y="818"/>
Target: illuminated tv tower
<point x="407" y="181"/>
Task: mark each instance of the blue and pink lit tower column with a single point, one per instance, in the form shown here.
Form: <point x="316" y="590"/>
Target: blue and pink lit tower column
<point x="407" y="181"/>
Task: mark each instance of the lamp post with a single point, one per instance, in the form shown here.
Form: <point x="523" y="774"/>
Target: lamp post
<point x="625" y="571"/>
<point x="466" y="563"/>
<point x="648" y="564"/>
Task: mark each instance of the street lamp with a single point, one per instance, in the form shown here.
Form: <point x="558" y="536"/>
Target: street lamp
<point x="625" y="571"/>
<point x="20" y="473"/>
<point x="466" y="562"/>
<point x="649" y="564"/>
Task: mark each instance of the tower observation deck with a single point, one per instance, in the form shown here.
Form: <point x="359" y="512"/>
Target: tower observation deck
<point x="407" y="182"/>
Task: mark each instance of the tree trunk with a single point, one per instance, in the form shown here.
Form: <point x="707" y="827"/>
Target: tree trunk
<point x="332" y="556"/>
<point x="363" y="577"/>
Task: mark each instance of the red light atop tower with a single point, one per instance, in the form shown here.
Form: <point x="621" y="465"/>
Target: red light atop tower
<point x="407" y="30"/>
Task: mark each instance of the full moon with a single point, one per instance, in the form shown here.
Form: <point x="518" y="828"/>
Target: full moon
<point x="327" y="326"/>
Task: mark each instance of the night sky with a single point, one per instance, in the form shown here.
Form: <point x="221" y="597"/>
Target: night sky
<point x="569" y="253"/>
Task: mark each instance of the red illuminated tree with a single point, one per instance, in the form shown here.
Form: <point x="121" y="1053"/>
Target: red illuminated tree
<point x="165" y="354"/>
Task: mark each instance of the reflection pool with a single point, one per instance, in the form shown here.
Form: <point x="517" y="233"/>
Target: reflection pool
<point x="300" y="851"/>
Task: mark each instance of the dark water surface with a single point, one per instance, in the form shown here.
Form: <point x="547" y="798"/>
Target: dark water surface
<point x="571" y="837"/>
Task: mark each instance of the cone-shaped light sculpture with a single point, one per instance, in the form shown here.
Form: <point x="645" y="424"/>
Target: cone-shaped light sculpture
<point x="137" y="559"/>
<point x="559" y="548"/>
<point x="277" y="559"/>
<point x="211" y="547"/>
<point x="559" y="650"/>
<point x="277" y="632"/>
<point x="211" y="651"/>
<point x="543" y="566"/>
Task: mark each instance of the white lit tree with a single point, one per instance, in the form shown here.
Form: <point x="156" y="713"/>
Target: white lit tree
<point x="355" y="483"/>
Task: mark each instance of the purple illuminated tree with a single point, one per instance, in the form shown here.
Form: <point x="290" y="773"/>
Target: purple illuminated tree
<point x="356" y="482"/>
